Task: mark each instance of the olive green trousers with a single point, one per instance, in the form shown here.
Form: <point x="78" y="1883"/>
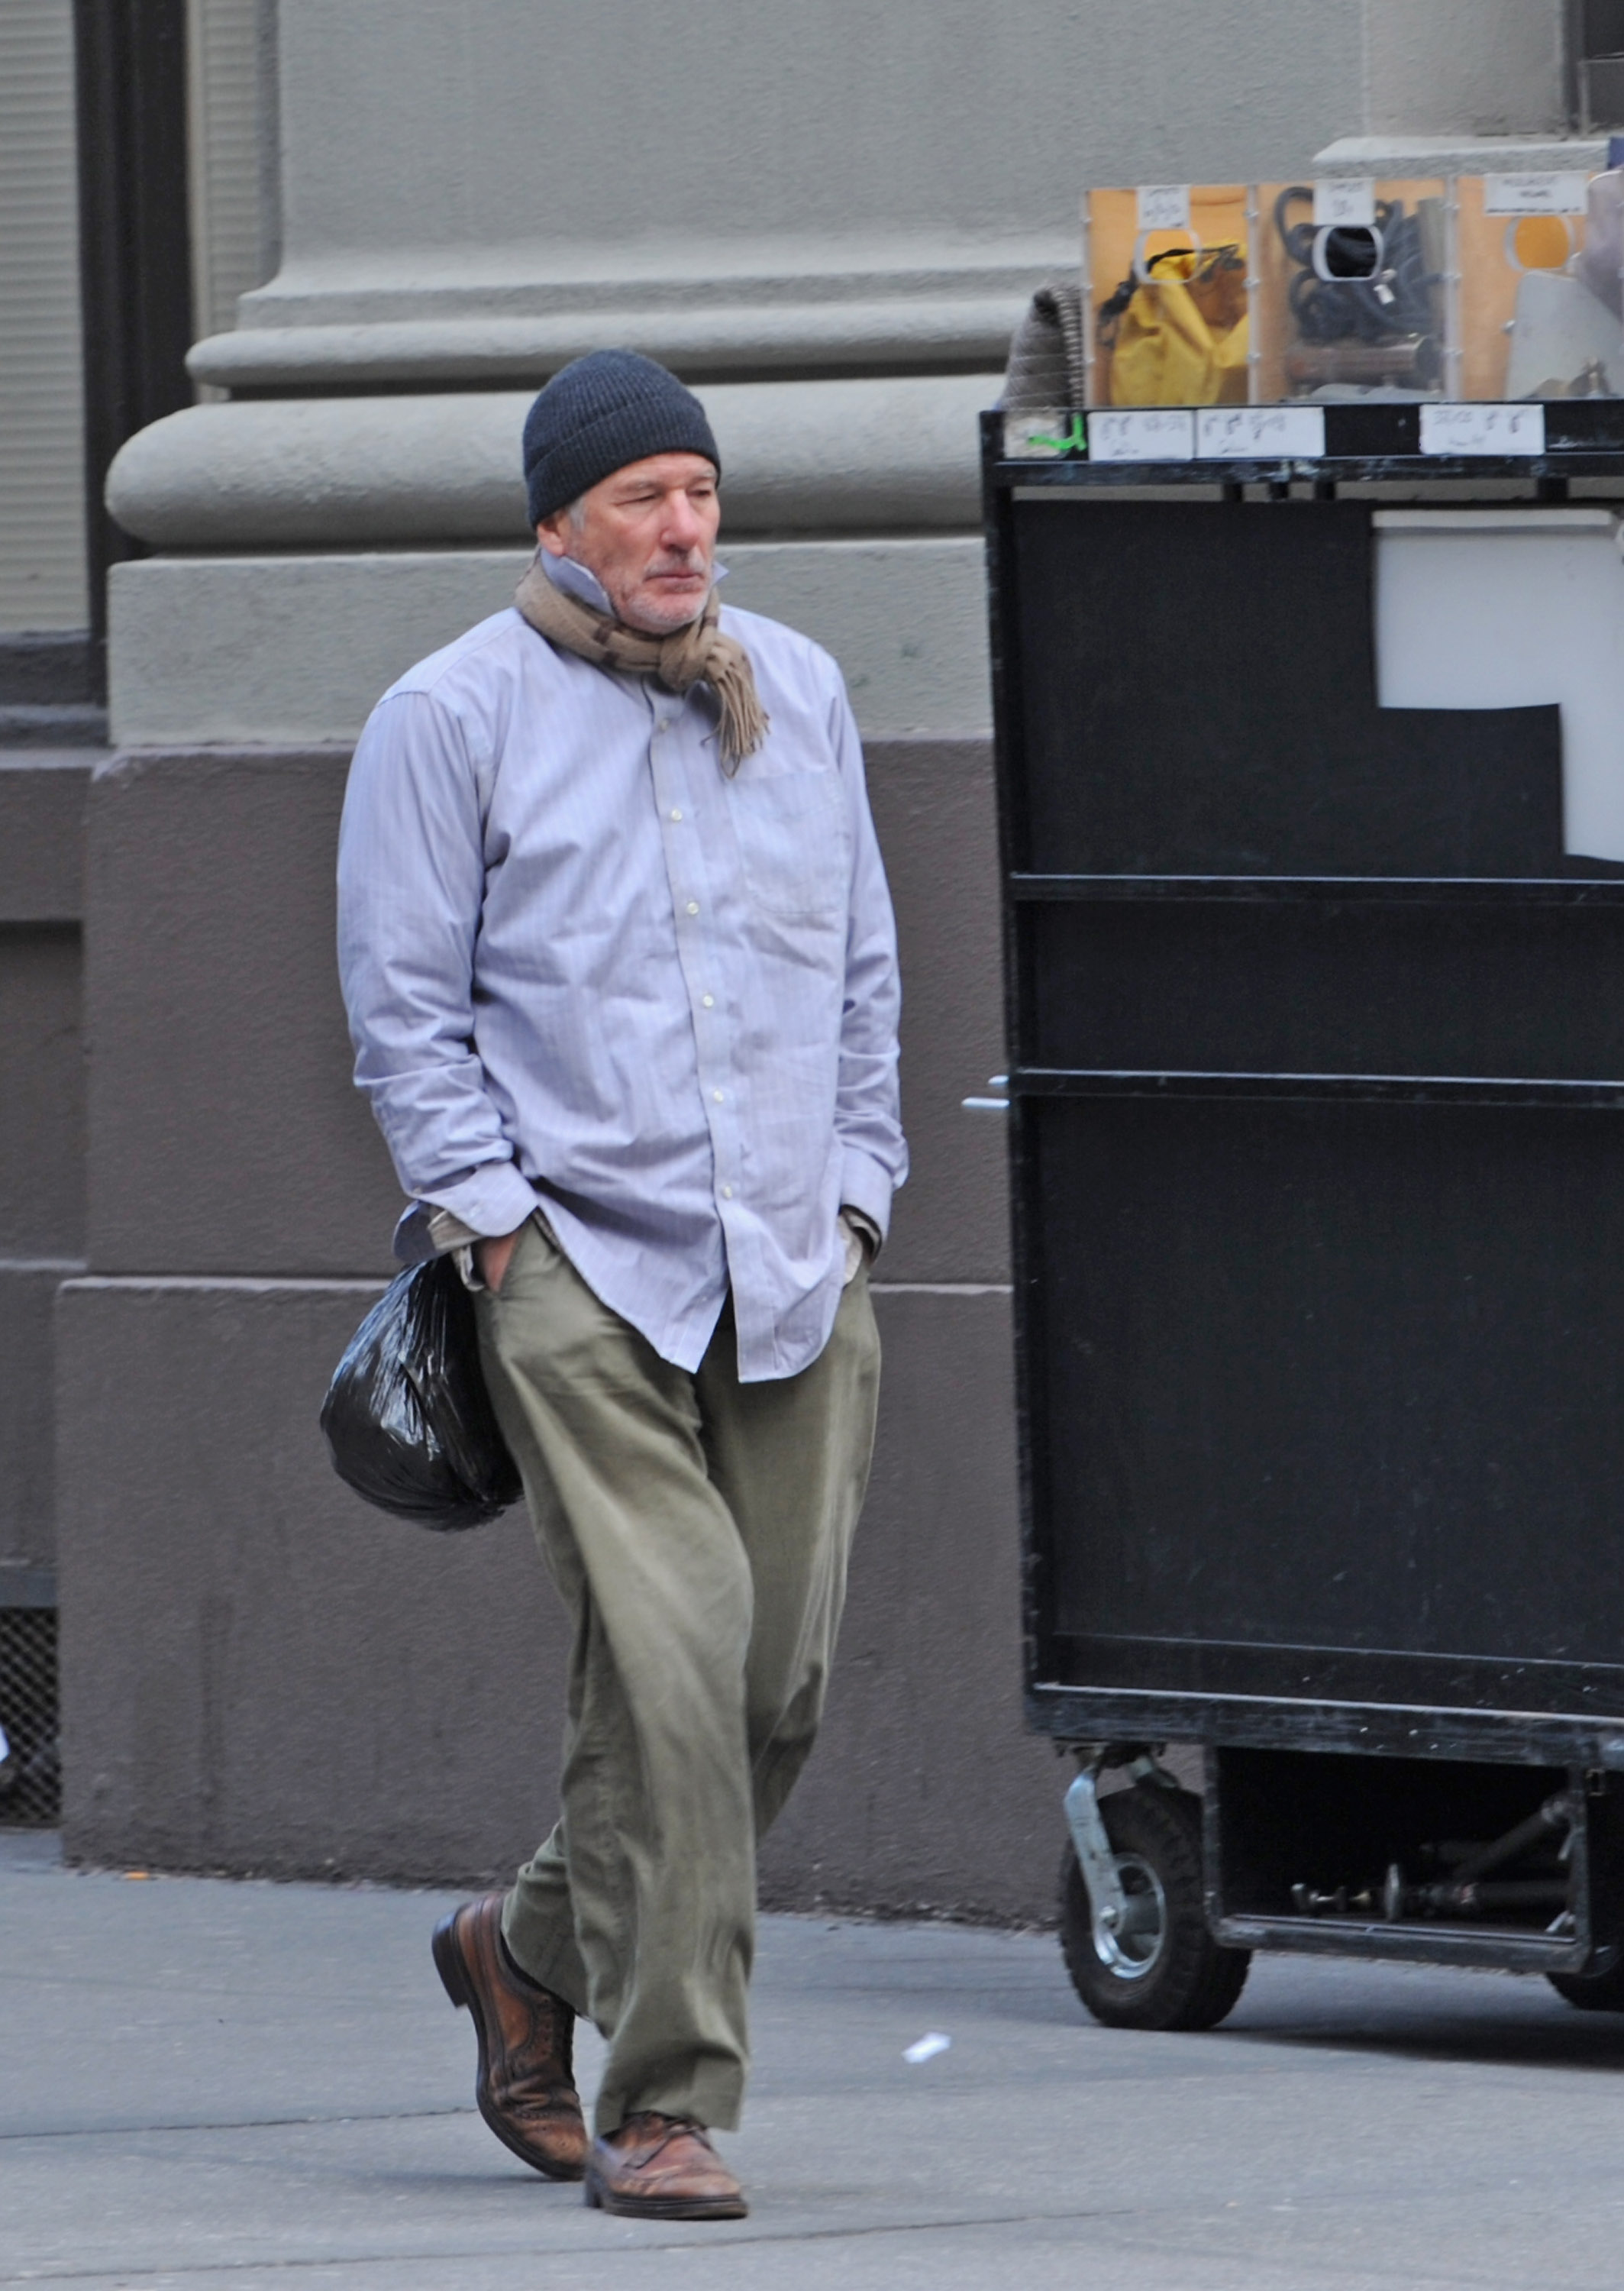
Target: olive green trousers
<point x="698" y="1530"/>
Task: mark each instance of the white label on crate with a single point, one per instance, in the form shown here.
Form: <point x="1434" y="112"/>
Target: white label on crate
<point x="1259" y="433"/>
<point x="1526" y="195"/>
<point x="1347" y="202"/>
<point x="1482" y="429"/>
<point x="1043" y="434"/>
<point x="1164" y="206"/>
<point x="1154" y="433"/>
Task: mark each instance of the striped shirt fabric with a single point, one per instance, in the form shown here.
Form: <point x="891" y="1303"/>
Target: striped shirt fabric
<point x="586" y="971"/>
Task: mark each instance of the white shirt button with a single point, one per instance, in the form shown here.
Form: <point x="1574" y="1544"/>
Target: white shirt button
<point x="676" y="815"/>
<point x="717" y="1094"/>
<point x="709" y="1000"/>
<point x="693" y="906"/>
<point x="727" y="1193"/>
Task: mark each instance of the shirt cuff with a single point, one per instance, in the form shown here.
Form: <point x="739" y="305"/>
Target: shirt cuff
<point x="867" y="1187"/>
<point x="491" y="1200"/>
<point x="863" y="1227"/>
<point x="446" y="1231"/>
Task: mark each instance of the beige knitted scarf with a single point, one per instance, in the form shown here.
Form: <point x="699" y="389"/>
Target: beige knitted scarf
<point x="696" y="654"/>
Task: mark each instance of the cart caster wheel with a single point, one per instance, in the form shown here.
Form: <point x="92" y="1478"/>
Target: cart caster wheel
<point x="1163" y="1969"/>
<point x="1601" y="1993"/>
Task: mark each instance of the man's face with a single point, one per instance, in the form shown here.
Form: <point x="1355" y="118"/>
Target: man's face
<point x="648" y="533"/>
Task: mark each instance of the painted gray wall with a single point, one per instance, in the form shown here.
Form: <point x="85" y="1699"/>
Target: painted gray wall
<point x="338" y="1693"/>
<point x="296" y="648"/>
<point x="541" y="138"/>
<point x="473" y="158"/>
<point x="897" y="455"/>
<point x="210" y="879"/>
<point x="230" y="127"/>
<point x="1463" y="66"/>
<point x="258" y="1673"/>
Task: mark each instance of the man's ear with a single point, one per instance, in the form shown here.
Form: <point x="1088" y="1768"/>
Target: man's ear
<point x="549" y="533"/>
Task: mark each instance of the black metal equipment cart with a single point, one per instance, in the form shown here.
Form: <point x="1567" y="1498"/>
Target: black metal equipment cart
<point x="1316" y="1097"/>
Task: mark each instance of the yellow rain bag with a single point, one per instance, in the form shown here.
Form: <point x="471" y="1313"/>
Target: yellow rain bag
<point x="1178" y="336"/>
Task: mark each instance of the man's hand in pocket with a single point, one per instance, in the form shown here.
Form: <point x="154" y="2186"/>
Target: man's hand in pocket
<point x="492" y="1257"/>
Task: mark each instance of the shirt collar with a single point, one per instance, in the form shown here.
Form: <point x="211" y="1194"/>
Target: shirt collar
<point x="577" y="581"/>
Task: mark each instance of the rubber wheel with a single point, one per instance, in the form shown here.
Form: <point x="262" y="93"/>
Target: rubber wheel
<point x="1602" y="1993"/>
<point x="1163" y="1970"/>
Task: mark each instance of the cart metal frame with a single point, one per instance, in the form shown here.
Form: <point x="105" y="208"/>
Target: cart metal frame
<point x="1112" y="1692"/>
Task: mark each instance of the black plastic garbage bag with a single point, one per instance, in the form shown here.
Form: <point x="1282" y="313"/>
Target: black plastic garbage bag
<point x="407" y="1417"/>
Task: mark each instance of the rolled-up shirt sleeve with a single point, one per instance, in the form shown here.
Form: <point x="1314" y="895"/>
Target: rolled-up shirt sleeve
<point x="410" y="876"/>
<point x="868" y="1118"/>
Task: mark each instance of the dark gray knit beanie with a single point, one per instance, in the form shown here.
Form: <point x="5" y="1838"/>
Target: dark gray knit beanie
<point x="601" y="412"/>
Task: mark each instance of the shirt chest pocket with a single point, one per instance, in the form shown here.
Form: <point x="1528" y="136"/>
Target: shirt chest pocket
<point x="794" y="843"/>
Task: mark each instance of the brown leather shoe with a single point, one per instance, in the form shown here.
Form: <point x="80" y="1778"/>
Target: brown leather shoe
<point x="526" y="2088"/>
<point x="656" y="2167"/>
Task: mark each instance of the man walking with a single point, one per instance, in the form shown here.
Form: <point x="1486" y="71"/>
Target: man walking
<point x="620" y="972"/>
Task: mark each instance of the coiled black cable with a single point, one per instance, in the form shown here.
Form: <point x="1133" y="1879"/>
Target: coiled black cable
<point x="1358" y="303"/>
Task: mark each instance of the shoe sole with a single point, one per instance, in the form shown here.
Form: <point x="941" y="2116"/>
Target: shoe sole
<point x="663" y="2208"/>
<point x="448" y="1963"/>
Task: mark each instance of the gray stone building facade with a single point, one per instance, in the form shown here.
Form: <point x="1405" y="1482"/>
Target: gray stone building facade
<point x="398" y="220"/>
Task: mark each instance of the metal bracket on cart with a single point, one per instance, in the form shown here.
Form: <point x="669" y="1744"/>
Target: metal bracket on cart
<point x="1094" y="1858"/>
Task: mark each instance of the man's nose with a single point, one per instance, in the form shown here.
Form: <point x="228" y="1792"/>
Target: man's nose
<point x="682" y="529"/>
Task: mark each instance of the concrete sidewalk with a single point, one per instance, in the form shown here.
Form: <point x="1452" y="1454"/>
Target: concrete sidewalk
<point x="206" y="2085"/>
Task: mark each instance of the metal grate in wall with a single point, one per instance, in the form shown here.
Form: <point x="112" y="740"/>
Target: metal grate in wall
<point x="30" y="1765"/>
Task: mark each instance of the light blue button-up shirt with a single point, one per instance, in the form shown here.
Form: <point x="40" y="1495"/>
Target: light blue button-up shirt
<point x="585" y="969"/>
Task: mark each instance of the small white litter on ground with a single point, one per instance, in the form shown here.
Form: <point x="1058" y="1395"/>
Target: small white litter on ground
<point x="928" y="2047"/>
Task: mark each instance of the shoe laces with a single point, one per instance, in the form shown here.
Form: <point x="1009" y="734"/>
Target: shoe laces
<point x="671" y="2126"/>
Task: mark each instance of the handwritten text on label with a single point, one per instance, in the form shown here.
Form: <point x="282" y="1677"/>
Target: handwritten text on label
<point x="1526" y="195"/>
<point x="1482" y="429"/>
<point x="1164" y="206"/>
<point x="1259" y="433"/>
<point x="1347" y="202"/>
<point x="1154" y="434"/>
